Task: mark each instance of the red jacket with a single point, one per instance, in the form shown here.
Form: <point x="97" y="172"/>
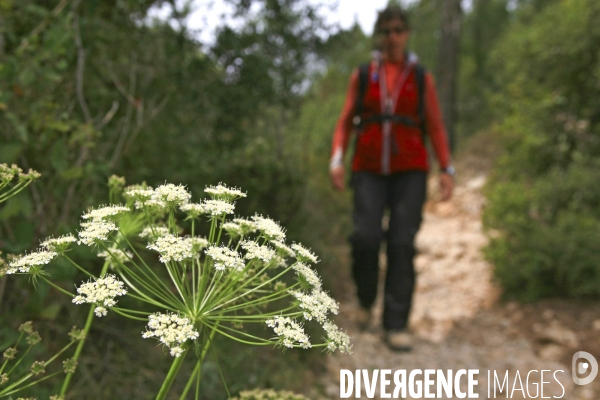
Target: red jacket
<point x="398" y="147"/>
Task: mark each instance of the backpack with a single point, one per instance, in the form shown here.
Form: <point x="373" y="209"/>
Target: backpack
<point x="363" y="81"/>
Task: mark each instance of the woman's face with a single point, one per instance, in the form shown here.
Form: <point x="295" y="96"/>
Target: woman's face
<point x="394" y="37"/>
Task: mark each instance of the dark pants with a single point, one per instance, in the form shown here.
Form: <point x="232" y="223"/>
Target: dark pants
<point x="403" y="194"/>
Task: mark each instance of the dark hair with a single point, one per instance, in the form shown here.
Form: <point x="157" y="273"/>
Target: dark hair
<point x="391" y="12"/>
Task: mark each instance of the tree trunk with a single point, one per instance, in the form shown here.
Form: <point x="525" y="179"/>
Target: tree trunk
<point x="448" y="63"/>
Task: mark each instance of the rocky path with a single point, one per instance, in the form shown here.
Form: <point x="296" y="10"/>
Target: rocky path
<point x="459" y="323"/>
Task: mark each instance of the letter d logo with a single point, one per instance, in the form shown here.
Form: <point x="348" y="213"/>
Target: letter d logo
<point x="583" y="367"/>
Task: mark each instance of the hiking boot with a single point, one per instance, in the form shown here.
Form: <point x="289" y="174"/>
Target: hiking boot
<point x="399" y="340"/>
<point x="363" y="318"/>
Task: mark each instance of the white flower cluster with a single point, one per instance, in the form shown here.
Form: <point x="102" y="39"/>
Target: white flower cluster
<point x="308" y="274"/>
<point x="289" y="331"/>
<point x="107" y="212"/>
<point x="171" y="330"/>
<point x="222" y="192"/>
<point x="198" y="244"/>
<point x="283" y="249"/>
<point x="336" y="339"/>
<point x="217" y="207"/>
<point x="115" y="256"/>
<point x="269" y="228"/>
<point x="172" y="195"/>
<point x="234" y="230"/>
<point x="94" y="231"/>
<point x="225" y="258"/>
<point x="172" y="248"/>
<point x="255" y="250"/>
<point x="24" y="263"/>
<point x="153" y="232"/>
<point x="8" y="173"/>
<point x="245" y="225"/>
<point x="59" y="244"/>
<point x="139" y="193"/>
<point x="192" y="209"/>
<point x="102" y="293"/>
<point x="304" y="254"/>
<point x="316" y="305"/>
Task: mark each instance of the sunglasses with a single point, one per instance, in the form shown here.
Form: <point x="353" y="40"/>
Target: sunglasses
<point x="397" y="30"/>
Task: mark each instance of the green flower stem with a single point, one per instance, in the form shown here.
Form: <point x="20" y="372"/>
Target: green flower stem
<point x="164" y="389"/>
<point x="56" y="287"/>
<point x="78" y="266"/>
<point x="174" y="302"/>
<point x="263" y="342"/>
<point x="79" y="349"/>
<point x="195" y="373"/>
<point x="120" y="312"/>
<point x="152" y="277"/>
<point x="20" y="359"/>
<point x="9" y="390"/>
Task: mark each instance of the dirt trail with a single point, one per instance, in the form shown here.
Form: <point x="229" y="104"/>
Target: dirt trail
<point x="459" y="322"/>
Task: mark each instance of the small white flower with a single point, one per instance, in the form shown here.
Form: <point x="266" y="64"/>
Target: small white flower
<point x="233" y="229"/>
<point x="174" y="196"/>
<point x="100" y="311"/>
<point x="225" y="258"/>
<point x="101" y="292"/>
<point x="95" y="231"/>
<point x="316" y="305"/>
<point x="222" y="192"/>
<point x="59" y="244"/>
<point x="308" y="274"/>
<point x="172" y="248"/>
<point x="107" y="212"/>
<point x="150" y="205"/>
<point x="192" y="209"/>
<point x="25" y="263"/>
<point x="289" y="331"/>
<point x="171" y="330"/>
<point x="217" y="207"/>
<point x="246" y="226"/>
<point x="115" y="256"/>
<point x="304" y="254"/>
<point x="254" y="250"/>
<point x="153" y="232"/>
<point x="198" y="244"/>
<point x="269" y="228"/>
<point x="282" y="249"/>
<point x="336" y="339"/>
<point x="139" y="193"/>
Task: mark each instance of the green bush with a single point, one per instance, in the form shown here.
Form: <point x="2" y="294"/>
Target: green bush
<point x="543" y="195"/>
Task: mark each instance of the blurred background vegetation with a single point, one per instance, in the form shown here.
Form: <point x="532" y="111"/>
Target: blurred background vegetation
<point x="94" y="88"/>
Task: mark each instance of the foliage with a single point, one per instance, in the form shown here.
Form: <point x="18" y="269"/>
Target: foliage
<point x="268" y="394"/>
<point x="543" y="196"/>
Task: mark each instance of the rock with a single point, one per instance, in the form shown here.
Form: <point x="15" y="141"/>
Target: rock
<point x="558" y="334"/>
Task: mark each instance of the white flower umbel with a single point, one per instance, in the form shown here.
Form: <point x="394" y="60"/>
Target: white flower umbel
<point x="222" y="192"/>
<point x="174" y="196"/>
<point x="106" y="213"/>
<point x="246" y="225"/>
<point x="171" y="330"/>
<point x="192" y="209"/>
<point x="217" y="207"/>
<point x="153" y="232"/>
<point x="198" y="244"/>
<point x="304" y="254"/>
<point x="139" y="193"/>
<point x="59" y="244"/>
<point x="316" y="305"/>
<point x="24" y="263"/>
<point x="233" y="230"/>
<point x="269" y="228"/>
<point x="256" y="251"/>
<point x="95" y="231"/>
<point x="310" y="276"/>
<point x="282" y="249"/>
<point x="336" y="339"/>
<point x="101" y="292"/>
<point x="289" y="331"/>
<point x="115" y="256"/>
<point x="225" y="258"/>
<point x="172" y="248"/>
<point x="150" y="205"/>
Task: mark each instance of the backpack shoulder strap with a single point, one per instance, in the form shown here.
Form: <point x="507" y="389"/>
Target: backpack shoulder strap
<point x="420" y="77"/>
<point x="363" y="81"/>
